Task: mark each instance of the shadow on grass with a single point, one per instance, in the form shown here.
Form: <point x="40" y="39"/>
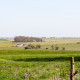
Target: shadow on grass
<point x="48" y="59"/>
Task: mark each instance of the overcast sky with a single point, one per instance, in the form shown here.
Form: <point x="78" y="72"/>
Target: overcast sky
<point x="57" y="18"/>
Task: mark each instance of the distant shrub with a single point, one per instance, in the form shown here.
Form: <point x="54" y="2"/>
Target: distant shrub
<point x="78" y="43"/>
<point x="63" y="48"/>
<point x="26" y="47"/>
<point x="29" y="45"/>
<point x="56" y="48"/>
<point x="52" y="46"/>
<point x="46" y="48"/>
<point x="38" y="46"/>
<point x="32" y="47"/>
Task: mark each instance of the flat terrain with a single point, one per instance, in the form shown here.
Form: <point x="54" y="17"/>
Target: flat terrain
<point x="69" y="44"/>
<point x="37" y="64"/>
<point x="16" y="63"/>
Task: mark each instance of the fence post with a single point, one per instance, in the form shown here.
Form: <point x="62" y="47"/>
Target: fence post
<point x="72" y="69"/>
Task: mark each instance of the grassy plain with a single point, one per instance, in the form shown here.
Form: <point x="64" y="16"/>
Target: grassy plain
<point x="69" y="44"/>
<point x="37" y="64"/>
<point x="16" y="63"/>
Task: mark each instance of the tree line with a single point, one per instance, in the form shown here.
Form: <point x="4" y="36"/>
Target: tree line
<point x="27" y="39"/>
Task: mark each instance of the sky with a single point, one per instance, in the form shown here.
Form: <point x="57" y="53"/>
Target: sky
<point x="40" y="18"/>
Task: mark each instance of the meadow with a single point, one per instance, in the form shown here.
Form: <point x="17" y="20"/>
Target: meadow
<point x="16" y="63"/>
<point x="69" y="44"/>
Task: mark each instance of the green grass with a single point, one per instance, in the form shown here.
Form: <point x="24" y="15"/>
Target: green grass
<point x="37" y="64"/>
<point x="68" y="47"/>
<point x="62" y="40"/>
<point x="3" y="40"/>
<point x="16" y="63"/>
<point x="69" y="44"/>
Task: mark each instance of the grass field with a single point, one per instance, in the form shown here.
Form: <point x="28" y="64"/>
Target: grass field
<point x="37" y="64"/>
<point x="16" y="63"/>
